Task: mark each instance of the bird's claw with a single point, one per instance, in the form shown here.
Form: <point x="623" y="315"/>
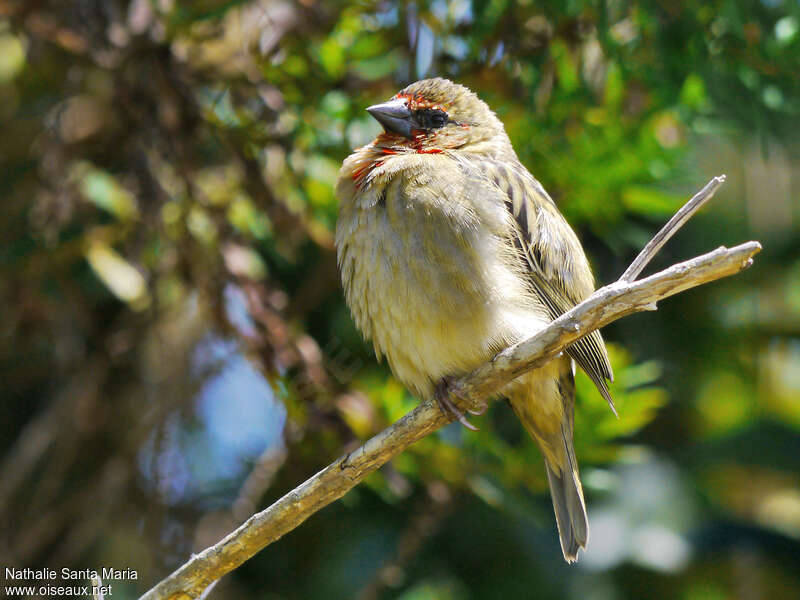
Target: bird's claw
<point x="442" y="395"/>
<point x="478" y="411"/>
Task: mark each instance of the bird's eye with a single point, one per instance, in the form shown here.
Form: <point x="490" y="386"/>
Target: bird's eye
<point x="431" y="118"/>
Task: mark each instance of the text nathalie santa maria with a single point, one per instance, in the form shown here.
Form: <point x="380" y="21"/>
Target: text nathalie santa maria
<point x="47" y="574"/>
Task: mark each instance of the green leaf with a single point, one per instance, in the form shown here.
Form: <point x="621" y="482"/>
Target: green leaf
<point x="693" y="92"/>
<point x="649" y="201"/>
<point x="105" y="192"/>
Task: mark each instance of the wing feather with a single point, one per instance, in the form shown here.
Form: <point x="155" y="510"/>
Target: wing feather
<point x="552" y="258"/>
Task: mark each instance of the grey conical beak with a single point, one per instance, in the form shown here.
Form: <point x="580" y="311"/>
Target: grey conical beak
<point x="394" y="116"/>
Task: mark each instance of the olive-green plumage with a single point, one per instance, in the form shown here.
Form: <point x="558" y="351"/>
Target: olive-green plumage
<point x="450" y="251"/>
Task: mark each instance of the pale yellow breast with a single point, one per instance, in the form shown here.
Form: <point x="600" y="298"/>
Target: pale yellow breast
<point x="429" y="276"/>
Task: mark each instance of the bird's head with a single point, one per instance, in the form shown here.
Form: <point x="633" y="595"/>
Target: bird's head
<point x="433" y="115"/>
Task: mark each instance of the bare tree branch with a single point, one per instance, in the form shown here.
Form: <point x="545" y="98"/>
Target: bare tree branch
<point x="604" y="306"/>
<point x="676" y="222"/>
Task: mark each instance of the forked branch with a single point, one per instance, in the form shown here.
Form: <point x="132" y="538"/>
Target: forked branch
<point x="607" y="304"/>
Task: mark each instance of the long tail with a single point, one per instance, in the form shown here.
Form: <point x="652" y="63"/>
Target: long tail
<point x="546" y="404"/>
<point x="568" y="504"/>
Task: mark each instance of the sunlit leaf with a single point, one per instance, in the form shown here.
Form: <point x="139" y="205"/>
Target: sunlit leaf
<point x="693" y="92"/>
<point x="103" y="190"/>
<point x="650" y="201"/>
<point x="12" y="56"/>
<point x="244" y="262"/>
<point x="119" y="276"/>
<point x="332" y="57"/>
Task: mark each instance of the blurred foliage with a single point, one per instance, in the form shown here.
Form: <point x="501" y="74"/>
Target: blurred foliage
<point x="175" y="352"/>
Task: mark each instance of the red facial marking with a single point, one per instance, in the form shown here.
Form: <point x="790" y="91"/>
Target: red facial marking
<point x="422" y="136"/>
<point x="361" y="173"/>
<point x="416" y="102"/>
<point x="388" y="143"/>
<point x="357" y="173"/>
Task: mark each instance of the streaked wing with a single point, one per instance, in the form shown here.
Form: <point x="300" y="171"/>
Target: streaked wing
<point x="551" y="257"/>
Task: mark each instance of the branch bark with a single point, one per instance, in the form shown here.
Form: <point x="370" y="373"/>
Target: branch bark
<point x="676" y="222"/>
<point x="607" y="304"/>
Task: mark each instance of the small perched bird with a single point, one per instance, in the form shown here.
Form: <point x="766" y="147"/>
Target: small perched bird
<point x="450" y="251"/>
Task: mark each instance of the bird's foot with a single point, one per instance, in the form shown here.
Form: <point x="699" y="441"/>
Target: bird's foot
<point x="442" y="395"/>
<point x="478" y="411"/>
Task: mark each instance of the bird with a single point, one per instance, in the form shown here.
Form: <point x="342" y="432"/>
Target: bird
<point x="450" y="251"/>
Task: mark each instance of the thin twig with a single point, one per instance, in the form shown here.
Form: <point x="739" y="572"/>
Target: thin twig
<point x="97" y="589"/>
<point x="676" y="222"/>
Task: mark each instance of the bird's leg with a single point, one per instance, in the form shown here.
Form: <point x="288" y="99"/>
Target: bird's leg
<point x="442" y="394"/>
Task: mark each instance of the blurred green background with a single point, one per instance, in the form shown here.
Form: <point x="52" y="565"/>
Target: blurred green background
<point x="175" y="352"/>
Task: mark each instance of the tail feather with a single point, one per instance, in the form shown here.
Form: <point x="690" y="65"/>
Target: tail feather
<point x="538" y="401"/>
<point x="570" y="509"/>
